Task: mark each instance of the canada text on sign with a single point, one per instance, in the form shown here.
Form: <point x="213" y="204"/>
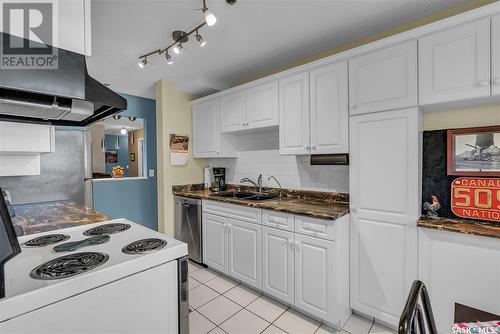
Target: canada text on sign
<point x="476" y="198"/>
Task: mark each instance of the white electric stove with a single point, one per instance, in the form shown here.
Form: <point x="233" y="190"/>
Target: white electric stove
<point x="124" y="278"/>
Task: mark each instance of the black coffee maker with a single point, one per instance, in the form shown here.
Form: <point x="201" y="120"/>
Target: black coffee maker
<point x="220" y="179"/>
<point x="9" y="246"/>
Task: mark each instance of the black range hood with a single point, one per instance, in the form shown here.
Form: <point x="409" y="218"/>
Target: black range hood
<point x="66" y="95"/>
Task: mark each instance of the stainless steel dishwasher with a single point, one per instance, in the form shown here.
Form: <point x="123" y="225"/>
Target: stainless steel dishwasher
<point x="188" y="225"/>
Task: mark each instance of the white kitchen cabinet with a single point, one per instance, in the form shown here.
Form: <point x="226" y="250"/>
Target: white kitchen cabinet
<point x="459" y="268"/>
<point x="252" y="108"/>
<point x="278" y="264"/>
<point x="74" y="19"/>
<point x="454" y="64"/>
<point x="329" y="110"/>
<point x="294" y="129"/>
<point x="384" y="201"/>
<point x="244" y="252"/>
<point x="385" y="79"/>
<point x="207" y="139"/>
<point x="26" y="138"/>
<point x="262" y="106"/>
<point x="214" y="238"/>
<point x="233" y="112"/>
<point x="495" y="55"/>
<point x="314" y="276"/>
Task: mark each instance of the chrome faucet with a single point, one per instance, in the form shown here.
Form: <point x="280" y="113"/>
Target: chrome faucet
<point x="279" y="184"/>
<point x="258" y="185"/>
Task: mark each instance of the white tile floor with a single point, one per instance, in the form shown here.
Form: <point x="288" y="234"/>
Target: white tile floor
<point x="221" y="305"/>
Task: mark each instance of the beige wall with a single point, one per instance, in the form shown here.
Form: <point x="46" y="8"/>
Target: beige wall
<point x="173" y="115"/>
<point x="97" y="132"/>
<point x="463" y="118"/>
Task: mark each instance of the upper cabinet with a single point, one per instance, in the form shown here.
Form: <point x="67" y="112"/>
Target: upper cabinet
<point x="384" y="79"/>
<point x="495" y="55"/>
<point x="207" y="139"/>
<point x="253" y="108"/>
<point x="455" y="64"/>
<point x="329" y="113"/>
<point x="294" y="114"/>
<point x="75" y="26"/>
<point x="313" y="111"/>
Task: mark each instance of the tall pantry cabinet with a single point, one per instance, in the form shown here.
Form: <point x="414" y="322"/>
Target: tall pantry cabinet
<point x="384" y="195"/>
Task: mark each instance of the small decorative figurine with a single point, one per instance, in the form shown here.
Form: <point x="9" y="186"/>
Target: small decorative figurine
<point x="431" y="209"/>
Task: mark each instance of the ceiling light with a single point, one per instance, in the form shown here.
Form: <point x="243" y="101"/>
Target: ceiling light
<point x="117" y="117"/>
<point x="178" y="48"/>
<point x="132" y="118"/>
<point x="209" y="16"/>
<point x="200" y="39"/>
<point x="169" y="59"/>
<point x="142" y="62"/>
<point x="123" y="131"/>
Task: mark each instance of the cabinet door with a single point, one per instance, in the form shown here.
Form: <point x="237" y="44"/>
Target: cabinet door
<point x="206" y="133"/>
<point x="244" y="252"/>
<point x="453" y="267"/>
<point x="262" y="106"/>
<point x="329" y="112"/>
<point x="495" y="54"/>
<point x="384" y="79"/>
<point x="455" y="64"/>
<point x="232" y="112"/>
<point x="384" y="197"/>
<point x="294" y="114"/>
<point x="215" y="241"/>
<point x="26" y="138"/>
<point x="314" y="276"/>
<point x="278" y="264"/>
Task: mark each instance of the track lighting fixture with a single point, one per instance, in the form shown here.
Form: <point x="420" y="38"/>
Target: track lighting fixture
<point x="117" y="117"/>
<point x="143" y="62"/>
<point x="210" y="18"/>
<point x="123" y="131"/>
<point x="200" y="39"/>
<point x="132" y="118"/>
<point x="180" y="37"/>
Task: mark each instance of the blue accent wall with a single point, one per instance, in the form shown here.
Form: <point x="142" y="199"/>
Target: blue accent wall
<point x="134" y="199"/>
<point x="122" y="152"/>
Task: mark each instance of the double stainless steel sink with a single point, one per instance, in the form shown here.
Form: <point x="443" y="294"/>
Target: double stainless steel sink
<point x="251" y="196"/>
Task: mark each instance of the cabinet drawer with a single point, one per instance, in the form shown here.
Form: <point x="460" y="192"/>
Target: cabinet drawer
<point x="26" y="138"/>
<point x="240" y="212"/>
<point x="283" y="221"/>
<point x="320" y="228"/>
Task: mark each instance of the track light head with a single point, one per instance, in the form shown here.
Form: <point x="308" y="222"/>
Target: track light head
<point x="209" y="16"/>
<point x="117" y="117"/>
<point x="168" y="58"/>
<point x="132" y="118"/>
<point x="178" y="48"/>
<point x="123" y="131"/>
<point x="142" y="62"/>
<point x="200" y="39"/>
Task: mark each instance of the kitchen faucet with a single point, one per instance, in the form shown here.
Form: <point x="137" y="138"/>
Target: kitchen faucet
<point x="258" y="185"/>
<point x="279" y="184"/>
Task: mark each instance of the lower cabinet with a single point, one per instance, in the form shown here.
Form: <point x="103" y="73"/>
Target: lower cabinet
<point x="244" y="252"/>
<point x="314" y="275"/>
<point x="278" y="264"/>
<point x="215" y="241"/>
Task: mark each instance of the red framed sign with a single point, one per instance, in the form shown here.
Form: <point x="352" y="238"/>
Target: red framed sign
<point x="476" y="198"/>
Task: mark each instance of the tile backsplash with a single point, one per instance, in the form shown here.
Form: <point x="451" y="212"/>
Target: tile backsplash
<point x="258" y="153"/>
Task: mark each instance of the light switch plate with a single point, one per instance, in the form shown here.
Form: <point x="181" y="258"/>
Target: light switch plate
<point x="151" y="172"/>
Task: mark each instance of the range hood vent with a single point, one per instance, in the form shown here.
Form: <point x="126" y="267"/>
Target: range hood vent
<point x="63" y="96"/>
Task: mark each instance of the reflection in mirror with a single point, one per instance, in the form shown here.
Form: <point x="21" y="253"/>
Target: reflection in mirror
<point x="118" y="148"/>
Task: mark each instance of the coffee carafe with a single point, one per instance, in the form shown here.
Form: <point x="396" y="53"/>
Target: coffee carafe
<point x="220" y="178"/>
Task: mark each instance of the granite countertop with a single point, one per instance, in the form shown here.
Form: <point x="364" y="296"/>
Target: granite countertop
<point x="48" y="216"/>
<point x="464" y="226"/>
<point x="312" y="204"/>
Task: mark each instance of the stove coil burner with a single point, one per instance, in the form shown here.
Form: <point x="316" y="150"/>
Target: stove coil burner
<point x="144" y="246"/>
<point x="46" y="240"/>
<point x="69" y="265"/>
<point x="107" y="229"/>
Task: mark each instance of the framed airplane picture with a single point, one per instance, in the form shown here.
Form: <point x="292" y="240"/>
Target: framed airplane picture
<point x="474" y="151"/>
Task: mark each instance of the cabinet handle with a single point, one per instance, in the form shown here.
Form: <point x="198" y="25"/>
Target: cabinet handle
<point x="497" y="81"/>
<point x="484" y="83"/>
<point x="247" y="124"/>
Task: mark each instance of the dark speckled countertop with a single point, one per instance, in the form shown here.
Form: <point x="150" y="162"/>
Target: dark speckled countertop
<point x="320" y="205"/>
<point x="47" y="216"/>
<point x="464" y="226"/>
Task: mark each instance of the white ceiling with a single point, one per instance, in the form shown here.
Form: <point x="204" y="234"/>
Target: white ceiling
<point x="249" y="38"/>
